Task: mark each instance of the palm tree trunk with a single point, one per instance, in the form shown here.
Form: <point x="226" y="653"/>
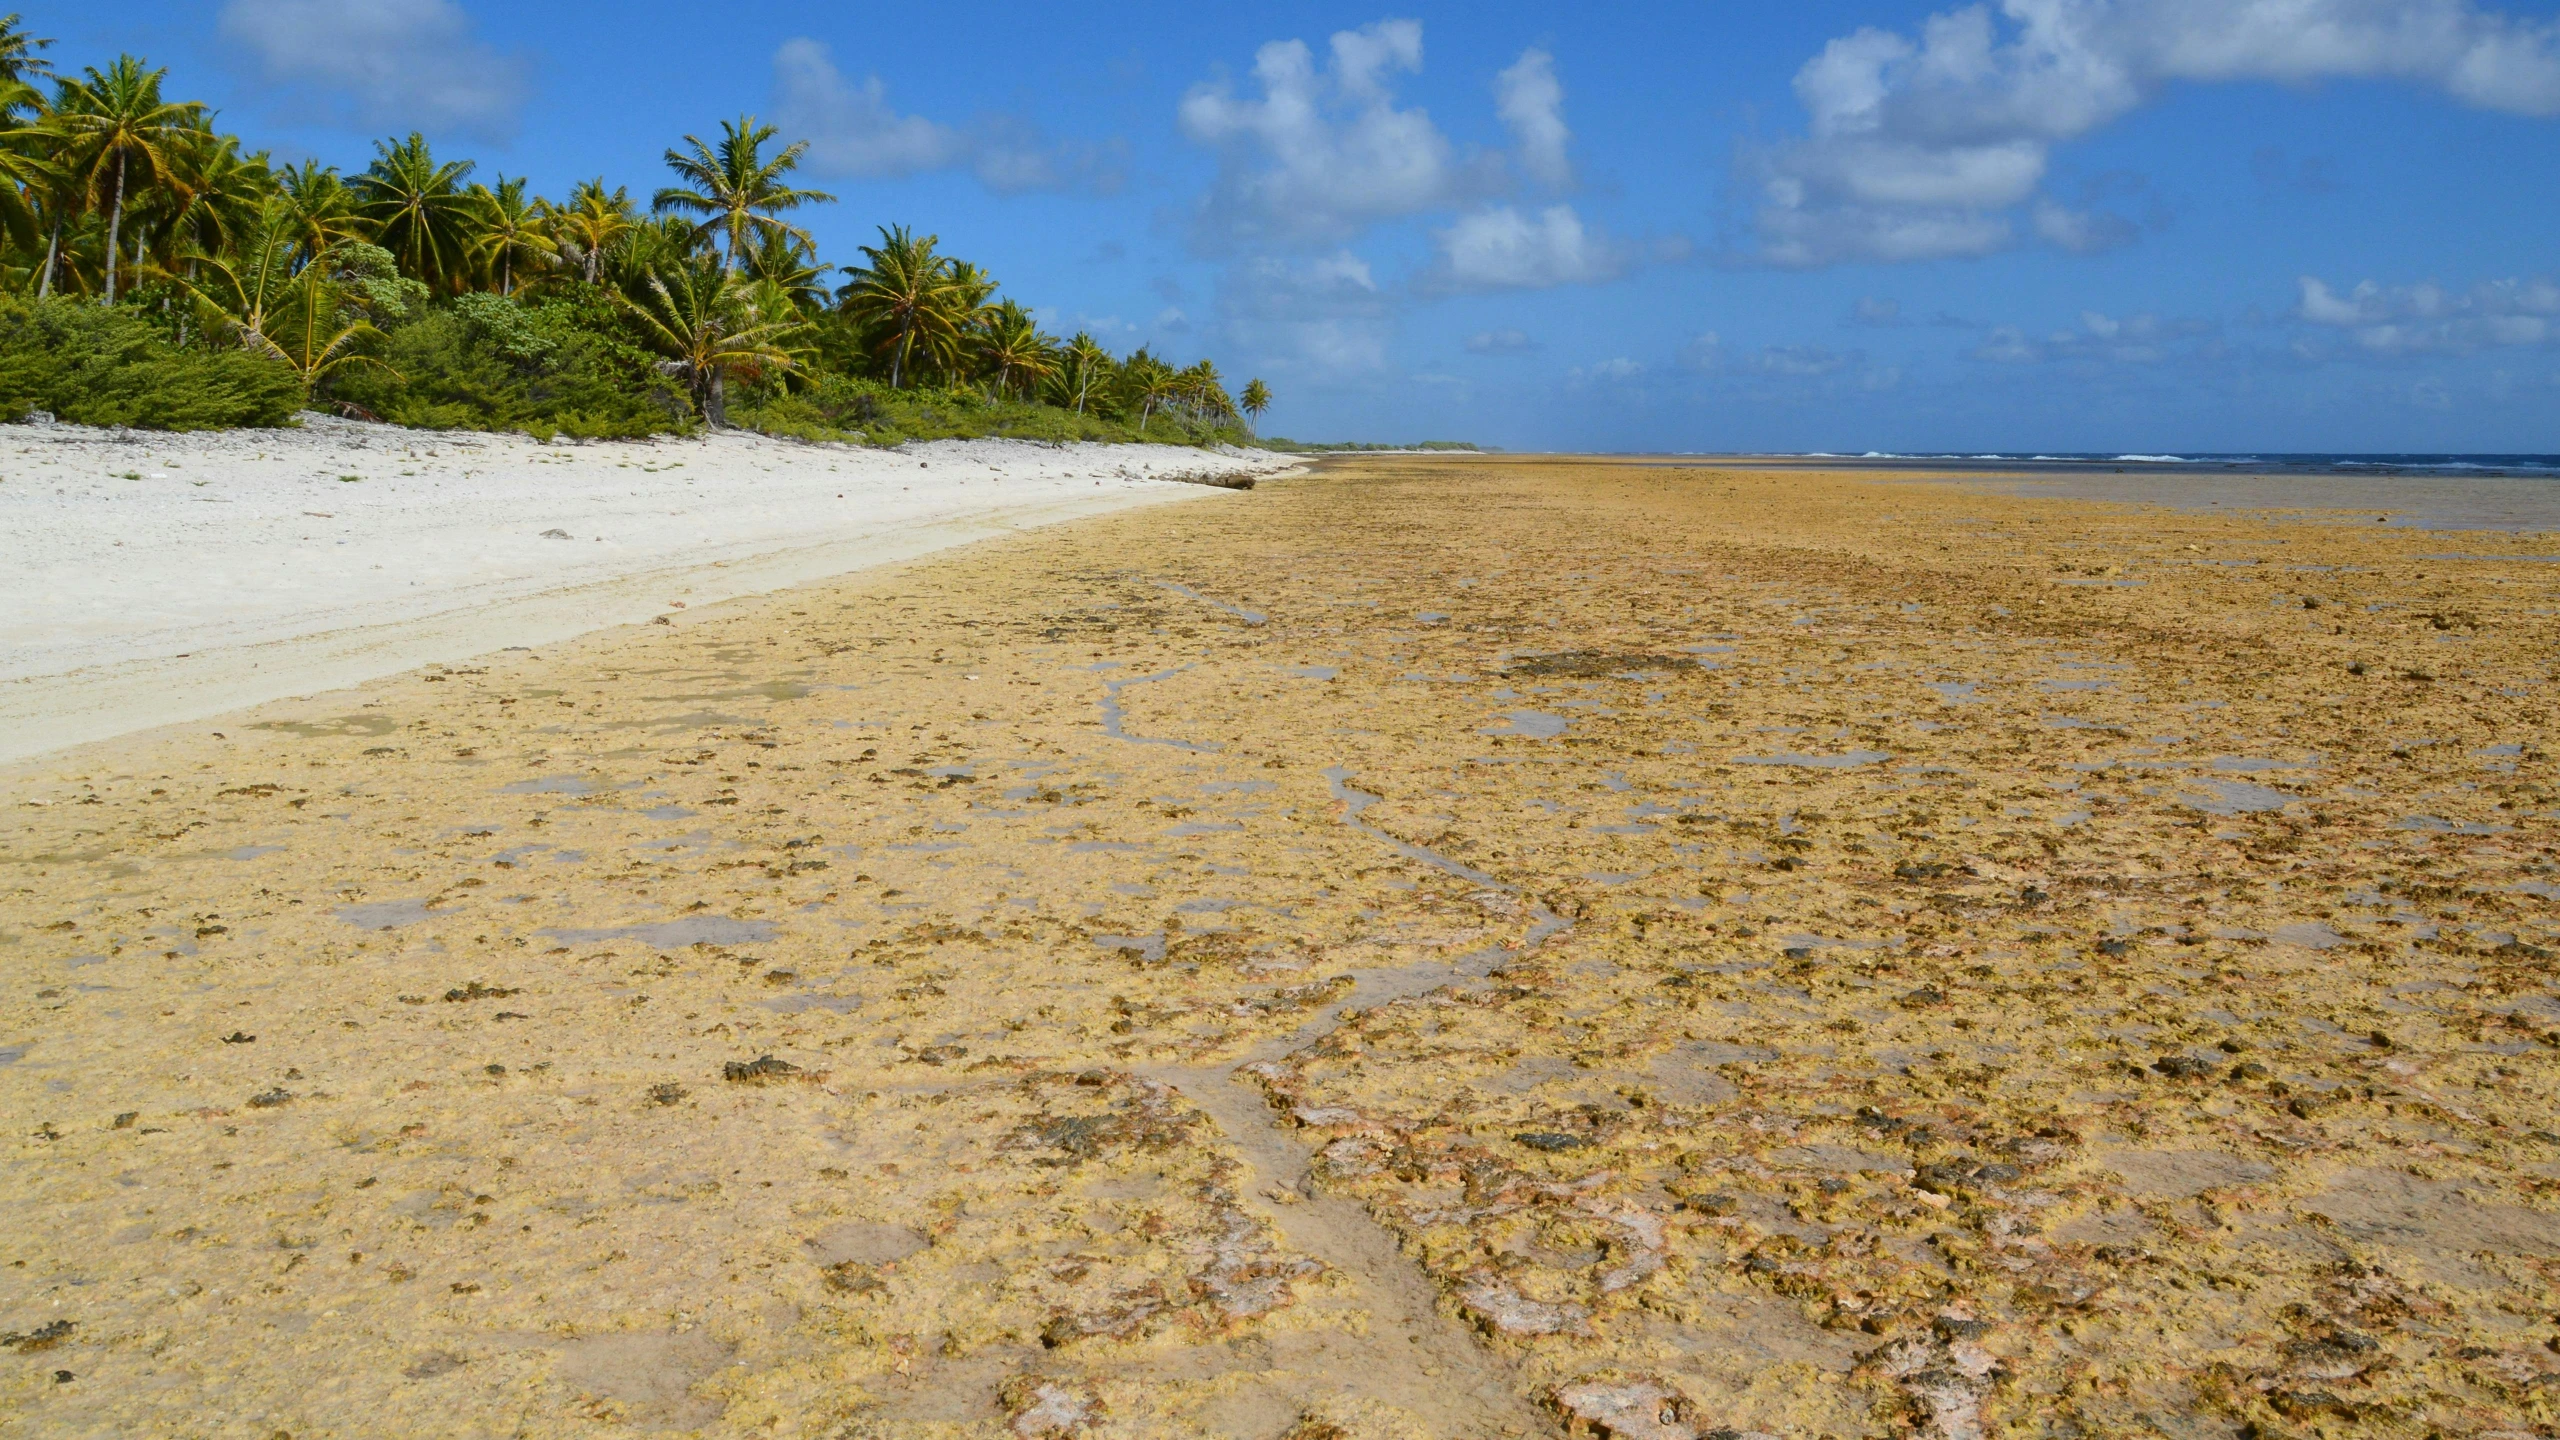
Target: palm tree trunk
<point x="115" y="223"/>
<point x="718" y="409"/>
<point x="52" y="247"/>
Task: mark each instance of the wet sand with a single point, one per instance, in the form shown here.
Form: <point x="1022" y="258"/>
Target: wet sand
<point x="1434" y="947"/>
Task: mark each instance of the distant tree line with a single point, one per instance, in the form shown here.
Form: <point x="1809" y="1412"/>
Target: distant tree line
<point x="154" y="271"/>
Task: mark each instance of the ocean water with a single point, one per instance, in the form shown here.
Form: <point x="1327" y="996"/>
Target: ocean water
<point x="2486" y="466"/>
<point x="2512" y="493"/>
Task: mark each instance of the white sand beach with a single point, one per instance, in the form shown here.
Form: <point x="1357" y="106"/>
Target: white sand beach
<point x="150" y="579"/>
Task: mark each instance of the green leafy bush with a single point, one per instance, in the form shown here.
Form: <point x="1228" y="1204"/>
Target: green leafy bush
<point x="109" y="365"/>
<point x="561" y="366"/>
<point x="843" y="407"/>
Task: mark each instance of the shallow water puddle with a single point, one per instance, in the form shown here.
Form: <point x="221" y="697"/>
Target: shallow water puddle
<point x="551" y="785"/>
<point x="386" y="914"/>
<point x="675" y="934"/>
<point x="1114" y="716"/>
<point x="1531" y="725"/>
<point x="2238" y="797"/>
<point x="2434" y="825"/>
<point x="1250" y="617"/>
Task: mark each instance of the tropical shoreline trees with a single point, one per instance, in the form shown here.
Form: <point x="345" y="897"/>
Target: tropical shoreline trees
<point x="118" y="136"/>
<point x="409" y="291"/>
<point x="735" y="189"/>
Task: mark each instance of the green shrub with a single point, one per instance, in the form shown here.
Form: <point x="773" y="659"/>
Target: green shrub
<point x="485" y="362"/>
<point x="92" y="364"/>
<point x="842" y="407"/>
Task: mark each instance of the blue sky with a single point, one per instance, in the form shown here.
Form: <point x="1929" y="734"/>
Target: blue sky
<point x="2121" y="225"/>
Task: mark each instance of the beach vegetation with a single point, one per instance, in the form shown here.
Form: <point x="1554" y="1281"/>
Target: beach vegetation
<point x="735" y="190"/>
<point x="95" y="365"/>
<point x="137" y="237"/>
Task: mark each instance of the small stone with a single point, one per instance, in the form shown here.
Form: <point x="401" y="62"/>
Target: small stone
<point x="758" y="1070"/>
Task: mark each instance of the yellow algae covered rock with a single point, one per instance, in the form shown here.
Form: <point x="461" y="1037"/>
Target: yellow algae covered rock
<point x="1501" y="947"/>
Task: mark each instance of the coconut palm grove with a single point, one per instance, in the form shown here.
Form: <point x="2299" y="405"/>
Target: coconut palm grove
<point x="160" y="273"/>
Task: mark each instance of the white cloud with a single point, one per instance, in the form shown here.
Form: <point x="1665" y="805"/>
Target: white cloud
<point x="1617" y="371"/>
<point x="2008" y="345"/>
<point x="1323" y="153"/>
<point x="385" y="63"/>
<point x="850" y="127"/>
<point x="1503" y="248"/>
<point x="1531" y="102"/>
<point x="1325" y="313"/>
<point x="1270" y="288"/>
<point x="2082" y="232"/>
<point x="2427" y="318"/>
<point x="1800" y="360"/>
<point x="1704" y="353"/>
<point x="2130" y="340"/>
<point x="1920" y="148"/>
<point x="1795" y="232"/>
<point x="855" y="133"/>
<point x="1501" y="342"/>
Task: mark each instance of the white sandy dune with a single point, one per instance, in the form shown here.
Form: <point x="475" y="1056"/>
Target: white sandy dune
<point x="150" y="579"/>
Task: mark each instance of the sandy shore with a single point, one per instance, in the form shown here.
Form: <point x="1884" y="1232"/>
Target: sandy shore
<point x="150" y="579"/>
<point x="1430" y="948"/>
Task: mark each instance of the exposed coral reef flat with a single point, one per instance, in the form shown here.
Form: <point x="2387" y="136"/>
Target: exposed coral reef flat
<point x="1462" y="947"/>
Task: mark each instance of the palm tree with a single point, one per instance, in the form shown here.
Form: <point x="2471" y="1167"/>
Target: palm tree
<point x="19" y="62"/>
<point x="419" y="210"/>
<point x="1203" y="394"/>
<point x="26" y="178"/>
<point x="703" y="322"/>
<point x="236" y="292"/>
<point x="257" y="298"/>
<point x="1012" y="344"/>
<point x="587" y="228"/>
<point x="321" y="208"/>
<point x="1151" y="383"/>
<point x="118" y="135"/>
<point x="905" y="295"/>
<point x="60" y="203"/>
<point x="509" y="225"/>
<point x="1085" y="368"/>
<point x="736" y="189"/>
<point x="661" y="245"/>
<point x="319" y="327"/>
<point x="220" y="192"/>
<point x="790" y="264"/>
<point x="971" y="290"/>
<point x="24" y="175"/>
<point x="1257" y="398"/>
